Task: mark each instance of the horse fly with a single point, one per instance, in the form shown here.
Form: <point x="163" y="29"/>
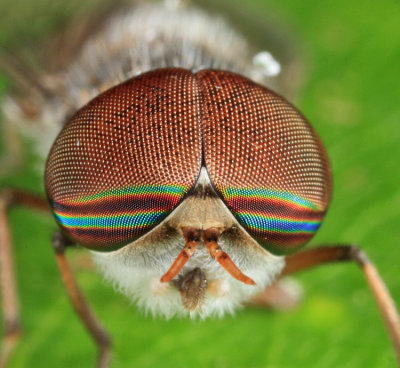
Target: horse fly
<point x="190" y="181"/>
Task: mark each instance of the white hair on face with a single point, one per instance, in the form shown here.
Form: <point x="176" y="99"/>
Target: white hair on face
<point x="142" y="284"/>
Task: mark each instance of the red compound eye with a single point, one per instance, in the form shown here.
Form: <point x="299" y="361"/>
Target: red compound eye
<point x="265" y="161"/>
<point x="126" y="159"/>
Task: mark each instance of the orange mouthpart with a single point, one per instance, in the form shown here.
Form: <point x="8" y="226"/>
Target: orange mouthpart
<point x="210" y="238"/>
<point x="192" y="239"/>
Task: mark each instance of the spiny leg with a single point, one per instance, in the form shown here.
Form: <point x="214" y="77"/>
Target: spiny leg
<point x="10" y="300"/>
<point x="192" y="239"/>
<point x="210" y="238"/>
<point x="327" y="254"/>
<point x="98" y="333"/>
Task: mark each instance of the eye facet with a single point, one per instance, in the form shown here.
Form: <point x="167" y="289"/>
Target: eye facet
<point x="265" y="161"/>
<point x="126" y="159"/>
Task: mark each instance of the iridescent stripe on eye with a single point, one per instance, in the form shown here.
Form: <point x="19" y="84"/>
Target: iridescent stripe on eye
<point x="122" y="221"/>
<point x="123" y="214"/>
<point x="277" y="219"/>
<point x="137" y="190"/>
<point x="231" y="194"/>
<point x="270" y="223"/>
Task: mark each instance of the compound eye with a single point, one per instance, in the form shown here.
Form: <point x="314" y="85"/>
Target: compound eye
<point x="265" y="161"/>
<point x="126" y="159"/>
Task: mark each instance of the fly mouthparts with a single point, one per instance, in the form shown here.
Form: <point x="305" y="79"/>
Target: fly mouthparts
<point x="210" y="238"/>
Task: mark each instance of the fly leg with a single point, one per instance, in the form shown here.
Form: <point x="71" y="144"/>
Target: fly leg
<point x="282" y="295"/>
<point x="96" y="330"/>
<point x="10" y="300"/>
<point x="338" y="253"/>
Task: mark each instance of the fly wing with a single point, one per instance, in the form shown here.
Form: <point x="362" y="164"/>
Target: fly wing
<point x="126" y="159"/>
<point x="264" y="159"/>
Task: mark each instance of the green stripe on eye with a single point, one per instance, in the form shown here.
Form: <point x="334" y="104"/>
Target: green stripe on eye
<point x="118" y="222"/>
<point x="277" y="224"/>
<point x="136" y="190"/>
<point x="232" y="193"/>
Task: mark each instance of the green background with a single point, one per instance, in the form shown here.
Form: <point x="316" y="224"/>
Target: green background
<point x="350" y="91"/>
